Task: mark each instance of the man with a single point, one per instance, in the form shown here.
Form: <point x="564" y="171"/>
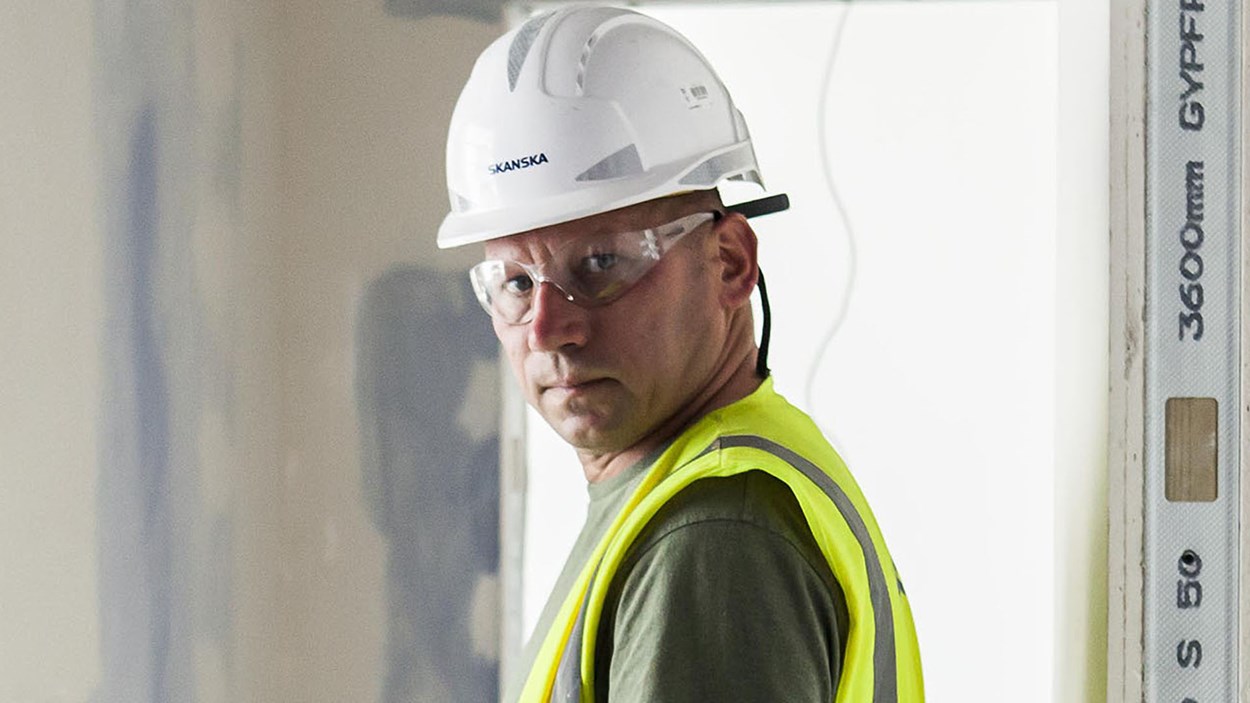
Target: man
<point x="727" y="555"/>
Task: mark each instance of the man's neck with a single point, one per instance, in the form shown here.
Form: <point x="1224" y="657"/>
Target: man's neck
<point x="735" y="383"/>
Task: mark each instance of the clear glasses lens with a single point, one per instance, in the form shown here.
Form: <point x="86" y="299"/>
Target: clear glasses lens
<point x="589" y="273"/>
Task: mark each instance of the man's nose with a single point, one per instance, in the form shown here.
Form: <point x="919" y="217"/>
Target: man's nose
<point x="558" y="322"/>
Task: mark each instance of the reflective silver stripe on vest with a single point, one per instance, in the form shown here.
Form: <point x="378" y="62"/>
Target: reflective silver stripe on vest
<point x="568" y="683"/>
<point x="884" y="665"/>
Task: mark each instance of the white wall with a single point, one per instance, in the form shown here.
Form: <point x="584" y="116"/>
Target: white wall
<point x="1082" y="284"/>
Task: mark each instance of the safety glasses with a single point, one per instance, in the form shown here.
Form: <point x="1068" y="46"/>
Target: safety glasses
<point x="588" y="271"/>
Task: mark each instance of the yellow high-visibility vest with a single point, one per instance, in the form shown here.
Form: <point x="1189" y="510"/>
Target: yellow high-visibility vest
<point x="761" y="432"/>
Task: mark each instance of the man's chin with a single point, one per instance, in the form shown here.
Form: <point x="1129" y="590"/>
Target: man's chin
<point x="585" y="437"/>
<point x="587" y="433"/>
<point x="590" y="422"/>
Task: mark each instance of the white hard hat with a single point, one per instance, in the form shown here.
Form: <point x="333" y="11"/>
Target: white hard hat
<point x="581" y="111"/>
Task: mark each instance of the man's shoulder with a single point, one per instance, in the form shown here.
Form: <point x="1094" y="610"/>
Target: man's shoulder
<point x="715" y="514"/>
<point x="751" y="497"/>
<point x="730" y="561"/>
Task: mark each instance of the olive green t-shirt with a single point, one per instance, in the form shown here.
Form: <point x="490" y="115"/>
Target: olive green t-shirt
<point x="724" y="596"/>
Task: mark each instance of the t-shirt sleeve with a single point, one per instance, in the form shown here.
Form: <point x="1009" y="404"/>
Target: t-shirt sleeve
<point x="721" y="610"/>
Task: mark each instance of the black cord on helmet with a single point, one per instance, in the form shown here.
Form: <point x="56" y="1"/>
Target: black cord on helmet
<point x="761" y="359"/>
<point x="755" y="208"/>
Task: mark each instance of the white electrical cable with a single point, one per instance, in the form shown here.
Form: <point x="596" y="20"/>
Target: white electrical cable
<point x="822" y="140"/>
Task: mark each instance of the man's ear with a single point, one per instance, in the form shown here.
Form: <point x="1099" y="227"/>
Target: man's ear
<point x="736" y="255"/>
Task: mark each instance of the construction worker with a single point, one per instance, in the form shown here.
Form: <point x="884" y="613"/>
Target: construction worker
<point x="727" y="555"/>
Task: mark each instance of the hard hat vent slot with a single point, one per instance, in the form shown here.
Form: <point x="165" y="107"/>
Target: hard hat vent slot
<point x="623" y="162"/>
<point x="521" y="45"/>
<point x="582" y="61"/>
<point x="715" y="168"/>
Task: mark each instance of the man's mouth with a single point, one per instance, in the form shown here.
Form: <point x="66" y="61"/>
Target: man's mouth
<point x="573" y="385"/>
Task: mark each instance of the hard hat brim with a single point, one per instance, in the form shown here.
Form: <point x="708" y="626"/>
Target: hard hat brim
<point x="459" y="229"/>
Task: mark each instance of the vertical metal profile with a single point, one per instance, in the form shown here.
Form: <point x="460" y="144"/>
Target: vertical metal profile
<point x="1177" y="571"/>
<point x="1243" y="599"/>
<point x="1193" y="351"/>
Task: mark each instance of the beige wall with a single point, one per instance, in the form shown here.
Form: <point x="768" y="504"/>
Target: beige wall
<point x="49" y="373"/>
<point x="307" y="159"/>
<point x="55" y="293"/>
<point x="366" y="98"/>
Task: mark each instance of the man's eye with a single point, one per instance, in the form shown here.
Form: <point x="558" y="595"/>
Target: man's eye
<point x="598" y="263"/>
<point x="518" y="285"/>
